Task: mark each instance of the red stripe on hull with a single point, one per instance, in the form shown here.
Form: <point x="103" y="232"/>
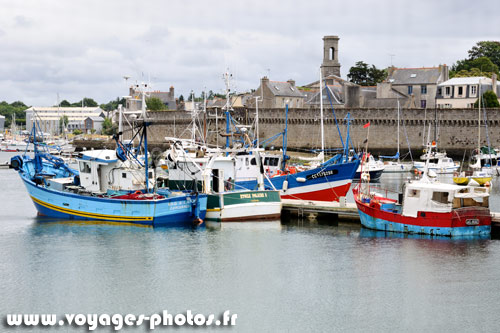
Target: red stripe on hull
<point x="329" y="194"/>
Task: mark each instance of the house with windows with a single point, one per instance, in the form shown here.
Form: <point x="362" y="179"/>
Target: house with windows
<point x="135" y="100"/>
<point x="93" y="123"/>
<point x="463" y="92"/>
<point x="276" y="94"/>
<point x="419" y="85"/>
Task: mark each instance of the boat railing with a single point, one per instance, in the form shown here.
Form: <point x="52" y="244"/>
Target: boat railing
<point x="385" y="192"/>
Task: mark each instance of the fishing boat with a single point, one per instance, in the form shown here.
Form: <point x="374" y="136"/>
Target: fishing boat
<point x="109" y="185"/>
<point x="438" y="163"/>
<point x="373" y="167"/>
<point x="426" y="206"/>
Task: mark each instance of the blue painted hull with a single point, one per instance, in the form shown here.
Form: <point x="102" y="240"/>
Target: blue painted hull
<point x="384" y="225"/>
<point x="173" y="211"/>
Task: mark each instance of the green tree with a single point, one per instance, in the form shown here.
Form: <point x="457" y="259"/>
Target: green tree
<point x="489" y="100"/>
<point x="481" y="66"/>
<point x="155" y="104"/>
<point x="181" y="99"/>
<point x="107" y="127"/>
<point x="16" y="108"/>
<point x="365" y="75"/>
<point x="77" y="132"/>
<point x="65" y="103"/>
<point x="86" y="102"/>
<point x="63" y="122"/>
<point x="113" y="105"/>
<point x="489" y="49"/>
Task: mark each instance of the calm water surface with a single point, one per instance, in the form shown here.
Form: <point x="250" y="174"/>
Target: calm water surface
<point x="295" y="275"/>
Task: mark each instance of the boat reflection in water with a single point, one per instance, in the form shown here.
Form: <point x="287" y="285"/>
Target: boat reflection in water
<point x="43" y="224"/>
<point x="248" y="225"/>
<point x="369" y="233"/>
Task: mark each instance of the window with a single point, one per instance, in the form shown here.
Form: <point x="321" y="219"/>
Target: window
<point x="124" y="175"/>
<point x="440" y="91"/>
<point x="423" y="89"/>
<point x="473" y="90"/>
<point x="440" y="197"/>
<point x="460" y="91"/>
<point x="410" y="90"/>
<point x="332" y="53"/>
<point x="84" y="167"/>
<point x="423" y="103"/>
<point x="253" y="161"/>
<point x="448" y="91"/>
<point x="246" y="161"/>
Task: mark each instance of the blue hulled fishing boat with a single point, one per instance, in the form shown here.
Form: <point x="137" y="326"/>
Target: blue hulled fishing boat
<point x="109" y="185"/>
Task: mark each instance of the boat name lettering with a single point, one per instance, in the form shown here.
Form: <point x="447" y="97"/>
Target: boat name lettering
<point x="253" y="195"/>
<point x="322" y="174"/>
<point x="472" y="222"/>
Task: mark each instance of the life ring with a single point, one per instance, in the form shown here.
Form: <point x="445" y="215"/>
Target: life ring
<point x="138" y="192"/>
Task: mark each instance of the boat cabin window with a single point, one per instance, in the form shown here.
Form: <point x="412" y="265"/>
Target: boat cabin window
<point x="441" y="197"/>
<point x="447" y="160"/>
<point x="150" y="174"/>
<point x="271" y="161"/>
<point x="124" y="175"/>
<point x="253" y="161"/>
<point x="84" y="167"/>
<point x="246" y="161"/>
<point x="414" y="193"/>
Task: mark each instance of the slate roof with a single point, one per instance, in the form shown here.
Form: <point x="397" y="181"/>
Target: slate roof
<point x="336" y="94"/>
<point x="283" y="89"/>
<point x="424" y="75"/>
<point x="96" y="118"/>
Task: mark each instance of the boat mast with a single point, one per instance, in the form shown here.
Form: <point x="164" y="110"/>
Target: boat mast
<point x="398" y="131"/>
<point x="321" y="113"/>
<point x="257" y="120"/>
<point x="145" y="135"/>
<point x="479" y="125"/>
<point x="227" y="107"/>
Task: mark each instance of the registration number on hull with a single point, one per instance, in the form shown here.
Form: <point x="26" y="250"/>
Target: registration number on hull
<point x="472" y="222"/>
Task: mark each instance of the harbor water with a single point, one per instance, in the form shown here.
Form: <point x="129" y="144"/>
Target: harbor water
<point x="295" y="275"/>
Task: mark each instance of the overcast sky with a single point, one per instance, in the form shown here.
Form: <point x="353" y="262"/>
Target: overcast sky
<point x="84" y="48"/>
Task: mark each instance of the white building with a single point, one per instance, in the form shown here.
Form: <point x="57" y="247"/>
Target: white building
<point x="48" y="117"/>
<point x="463" y="92"/>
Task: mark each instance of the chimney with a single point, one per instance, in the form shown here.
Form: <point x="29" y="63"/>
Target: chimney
<point x="171" y="92"/>
<point x="445" y="72"/>
<point x="292" y="82"/>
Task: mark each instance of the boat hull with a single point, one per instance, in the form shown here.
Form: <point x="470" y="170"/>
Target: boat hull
<point x="244" y="206"/>
<point x="328" y="183"/>
<point x="173" y="211"/>
<point x="374" y="175"/>
<point x="468" y="221"/>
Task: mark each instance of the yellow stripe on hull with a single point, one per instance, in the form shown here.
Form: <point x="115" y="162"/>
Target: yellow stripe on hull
<point x="91" y="215"/>
<point x="482" y="180"/>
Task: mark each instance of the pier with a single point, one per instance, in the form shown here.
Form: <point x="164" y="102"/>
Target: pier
<point x="322" y="209"/>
